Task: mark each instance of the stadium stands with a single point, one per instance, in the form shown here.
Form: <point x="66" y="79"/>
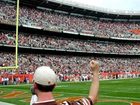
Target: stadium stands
<point x="72" y="65"/>
<point x="49" y="20"/>
<point x="60" y="43"/>
<point x="67" y="67"/>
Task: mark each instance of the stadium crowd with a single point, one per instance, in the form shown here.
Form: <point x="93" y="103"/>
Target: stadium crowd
<point x="55" y="42"/>
<point x="58" y="21"/>
<point x="44" y="41"/>
<point x="68" y="68"/>
<point x="73" y="68"/>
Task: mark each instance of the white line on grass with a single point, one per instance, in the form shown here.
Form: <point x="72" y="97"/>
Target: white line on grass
<point x="4" y="103"/>
<point x="82" y="94"/>
<point x="133" y="79"/>
<point x="119" y="97"/>
<point x="115" y="91"/>
<point x="16" y="85"/>
<point x="27" y="85"/>
<point x="71" y="93"/>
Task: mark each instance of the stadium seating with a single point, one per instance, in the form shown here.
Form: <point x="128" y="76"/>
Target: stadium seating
<point x="70" y="65"/>
<point x="50" y="20"/>
<point x="54" y="42"/>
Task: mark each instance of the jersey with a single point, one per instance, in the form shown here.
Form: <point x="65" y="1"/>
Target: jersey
<point x="45" y="103"/>
<point x="81" y="101"/>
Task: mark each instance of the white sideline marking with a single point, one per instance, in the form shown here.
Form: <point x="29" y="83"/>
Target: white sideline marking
<point x="4" y="103"/>
<point x="71" y="93"/>
<point x="59" y="86"/>
<point x="119" y="97"/>
<point x="15" y="85"/>
<point x="82" y="94"/>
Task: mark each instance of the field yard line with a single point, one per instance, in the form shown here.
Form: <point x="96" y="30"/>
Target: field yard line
<point x="99" y="95"/>
<point x="117" y="91"/>
<point x="4" y="103"/>
<point x="15" y="85"/>
<point x="25" y="85"/>
<point x="119" y="97"/>
<point x="113" y="100"/>
<point x="71" y="93"/>
<point x="72" y="82"/>
<point x="106" y="91"/>
<point x="59" y="86"/>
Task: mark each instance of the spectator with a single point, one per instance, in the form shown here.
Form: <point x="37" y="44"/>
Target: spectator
<point x="45" y="81"/>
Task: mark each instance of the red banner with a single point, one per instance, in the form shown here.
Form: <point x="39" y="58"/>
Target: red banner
<point x="135" y="31"/>
<point x="21" y="77"/>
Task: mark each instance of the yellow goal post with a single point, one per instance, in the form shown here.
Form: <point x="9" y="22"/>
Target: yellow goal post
<point x="16" y="40"/>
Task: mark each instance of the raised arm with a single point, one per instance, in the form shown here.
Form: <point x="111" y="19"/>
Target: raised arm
<point x="93" y="92"/>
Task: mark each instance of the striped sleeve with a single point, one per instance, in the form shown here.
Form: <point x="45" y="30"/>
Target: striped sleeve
<point x="82" y="101"/>
<point x="86" y="101"/>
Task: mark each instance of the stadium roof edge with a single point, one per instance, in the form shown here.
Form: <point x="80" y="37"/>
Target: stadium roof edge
<point x="72" y="9"/>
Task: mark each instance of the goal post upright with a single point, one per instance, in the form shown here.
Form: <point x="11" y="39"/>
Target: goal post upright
<point x="16" y="40"/>
<point x="17" y="26"/>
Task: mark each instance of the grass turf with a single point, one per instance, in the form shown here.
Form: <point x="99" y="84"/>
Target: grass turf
<point x="112" y="92"/>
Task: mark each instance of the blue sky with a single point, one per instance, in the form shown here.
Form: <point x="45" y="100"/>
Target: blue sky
<point x="113" y="4"/>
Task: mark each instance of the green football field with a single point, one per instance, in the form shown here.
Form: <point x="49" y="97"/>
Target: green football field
<point x="112" y="92"/>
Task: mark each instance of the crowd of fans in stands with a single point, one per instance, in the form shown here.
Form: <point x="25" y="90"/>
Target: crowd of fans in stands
<point x="50" y="20"/>
<point x="55" y="42"/>
<point x="68" y="67"/>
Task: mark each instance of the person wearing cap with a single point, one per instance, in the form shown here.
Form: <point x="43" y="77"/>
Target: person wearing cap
<point x="45" y="80"/>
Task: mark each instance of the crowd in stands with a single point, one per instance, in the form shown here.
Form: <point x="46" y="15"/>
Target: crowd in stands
<point x="69" y="67"/>
<point x="57" y="21"/>
<point x="7" y="59"/>
<point x="7" y="38"/>
<point x="61" y="43"/>
<point x="7" y="13"/>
